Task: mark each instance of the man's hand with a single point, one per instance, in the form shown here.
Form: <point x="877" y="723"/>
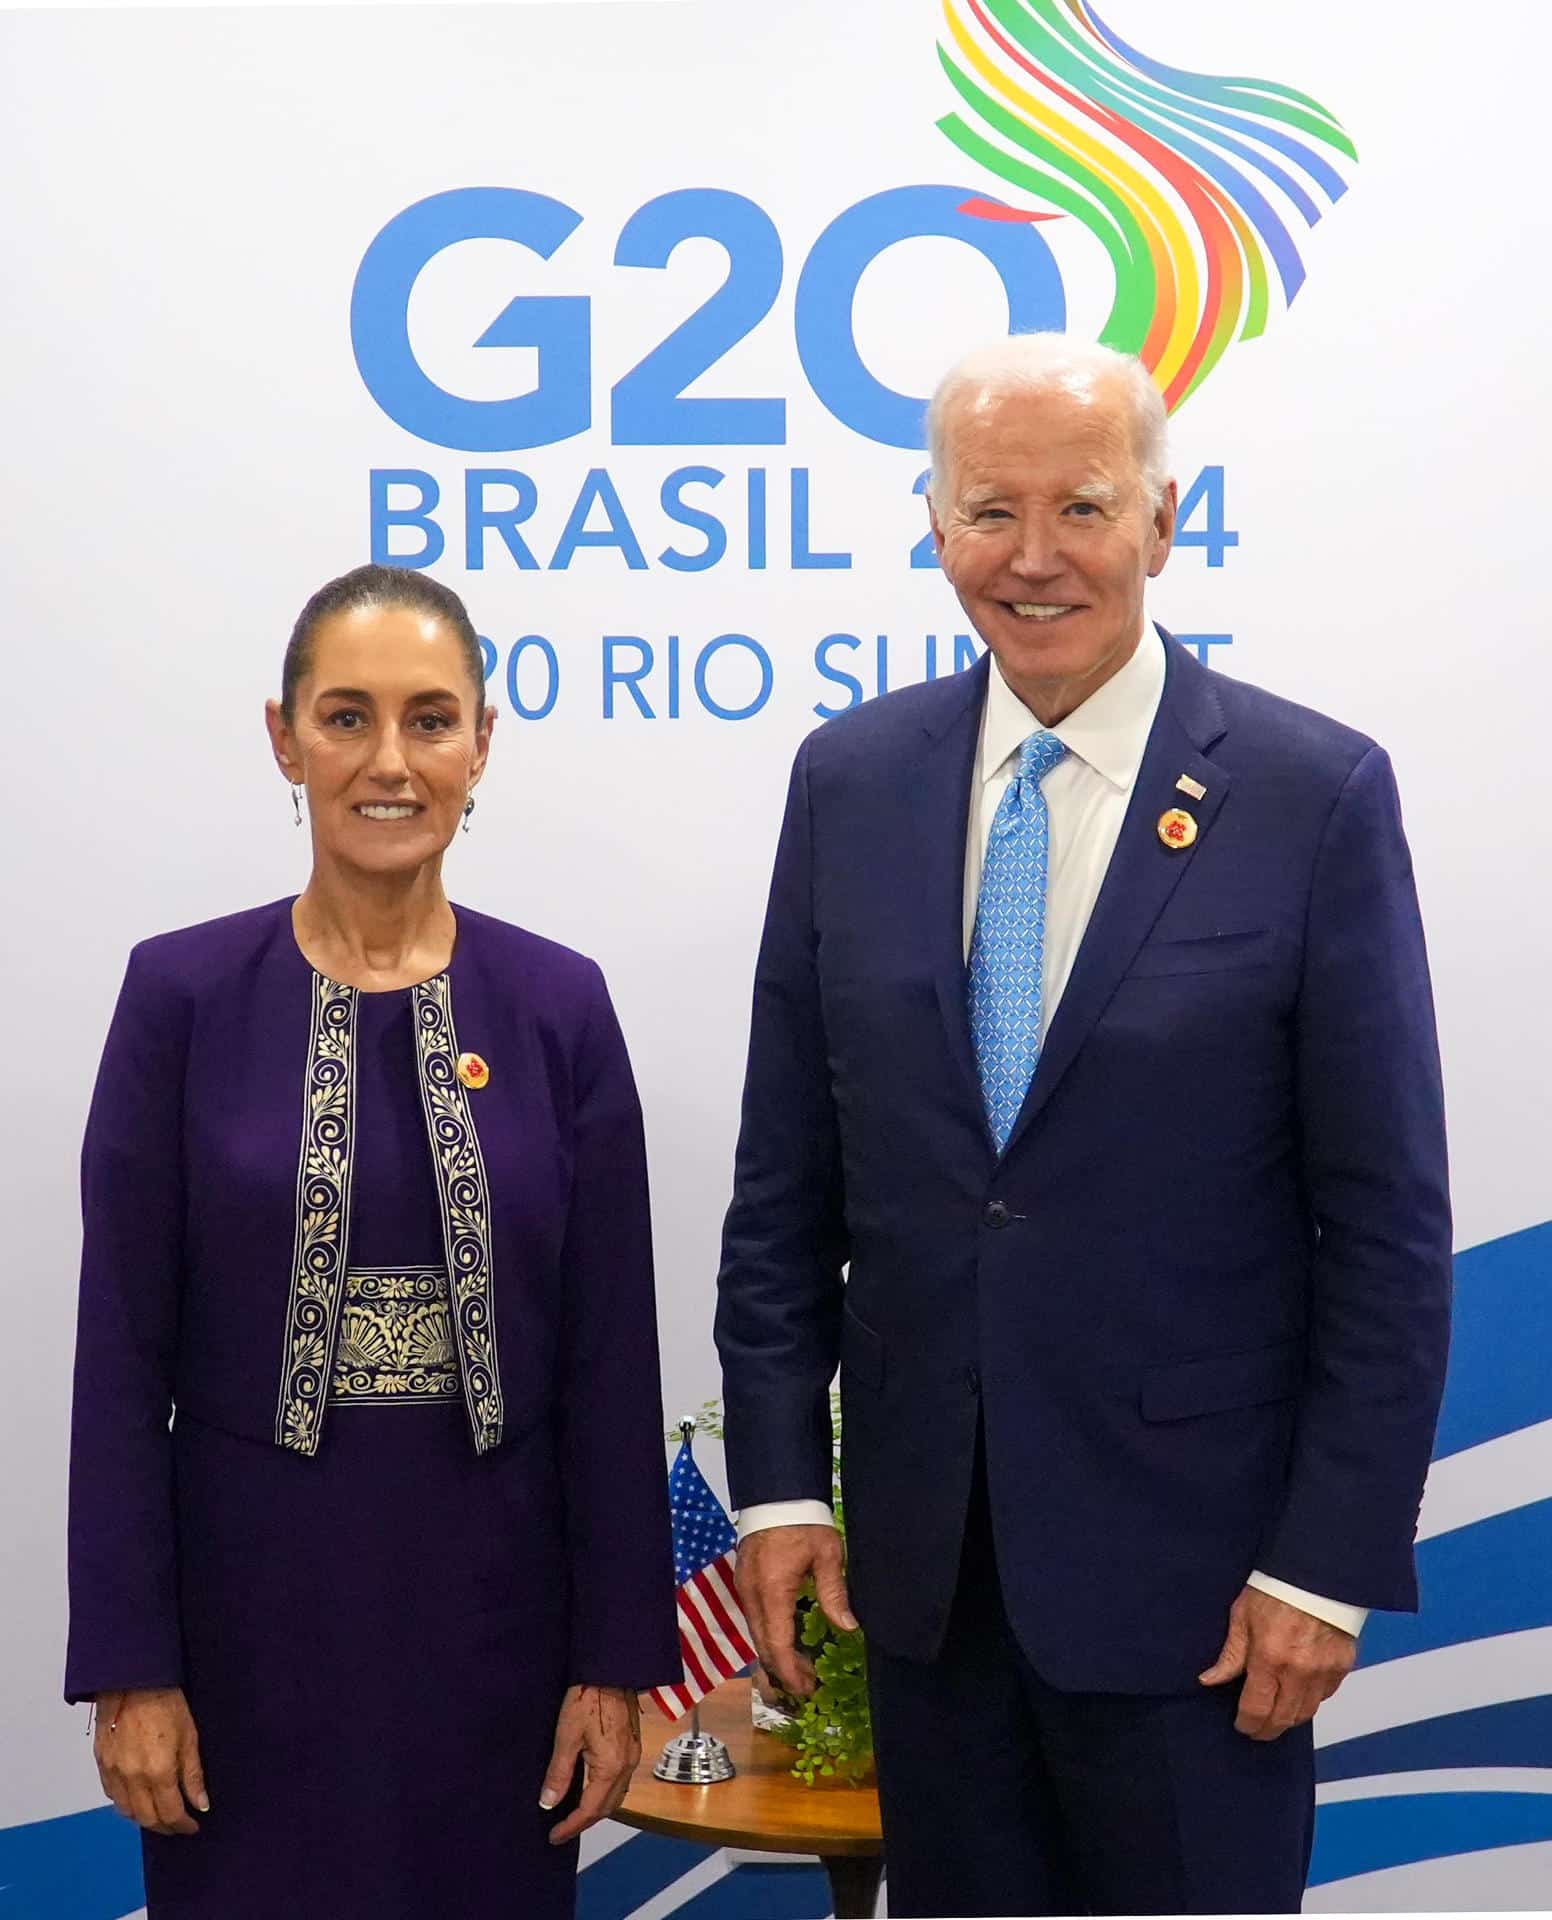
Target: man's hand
<point x="601" y="1726"/>
<point x="771" y="1568"/>
<point x="147" y="1753"/>
<point x="1291" y="1662"/>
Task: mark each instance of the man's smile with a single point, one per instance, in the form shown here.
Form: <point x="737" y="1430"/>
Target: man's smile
<point x="1042" y="610"/>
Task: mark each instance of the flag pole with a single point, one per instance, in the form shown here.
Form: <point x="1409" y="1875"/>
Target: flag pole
<point x="694" y="1758"/>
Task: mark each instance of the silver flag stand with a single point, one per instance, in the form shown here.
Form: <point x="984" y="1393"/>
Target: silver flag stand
<point x="695" y="1758"/>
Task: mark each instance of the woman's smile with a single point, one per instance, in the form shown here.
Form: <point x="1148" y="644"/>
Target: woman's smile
<point x="387" y="810"/>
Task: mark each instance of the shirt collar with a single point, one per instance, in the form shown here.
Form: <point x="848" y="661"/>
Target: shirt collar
<point x="1109" y="732"/>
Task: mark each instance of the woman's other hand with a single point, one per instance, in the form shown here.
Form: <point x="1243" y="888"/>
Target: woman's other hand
<point x="601" y="1726"/>
<point x="147" y="1752"/>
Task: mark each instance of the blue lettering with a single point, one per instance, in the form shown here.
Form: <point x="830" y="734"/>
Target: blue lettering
<point x="827" y="290"/>
<point x="478" y="518"/>
<point x="767" y="676"/>
<point x="925" y="553"/>
<point x="757" y="519"/>
<point x="560" y="328"/>
<point x="835" y="675"/>
<point x="598" y="490"/>
<point x="803" y="560"/>
<point x="552" y="682"/>
<point x="386" y="517"/>
<point x="678" y="509"/>
<point x="627" y="677"/>
<point x="649" y="405"/>
<point x="1206" y="492"/>
<point x="1203" y="643"/>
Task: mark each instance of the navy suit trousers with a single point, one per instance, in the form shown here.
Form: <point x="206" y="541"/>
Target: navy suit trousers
<point x="1003" y="1795"/>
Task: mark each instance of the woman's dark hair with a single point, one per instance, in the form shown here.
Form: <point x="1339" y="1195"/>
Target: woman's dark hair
<point x="379" y="587"/>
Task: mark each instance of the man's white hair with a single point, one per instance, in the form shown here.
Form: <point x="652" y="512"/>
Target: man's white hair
<point x="1034" y="362"/>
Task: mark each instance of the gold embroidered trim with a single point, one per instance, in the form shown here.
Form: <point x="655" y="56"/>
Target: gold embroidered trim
<point x="322" y="1215"/>
<point x="395" y="1339"/>
<point x="464" y="1196"/>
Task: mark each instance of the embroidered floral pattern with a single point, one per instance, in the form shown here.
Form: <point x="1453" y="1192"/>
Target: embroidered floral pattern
<point x="464" y="1196"/>
<point x="395" y="1339"/>
<point x="322" y="1215"/>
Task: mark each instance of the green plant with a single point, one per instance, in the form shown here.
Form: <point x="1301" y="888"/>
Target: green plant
<point x="832" y="1730"/>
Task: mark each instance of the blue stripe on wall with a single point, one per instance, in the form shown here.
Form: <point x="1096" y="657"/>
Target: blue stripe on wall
<point x="1483" y="1579"/>
<point x="762" y="1893"/>
<point x="632" y="1873"/>
<point x="1362" y="1836"/>
<point x="1499" y="1380"/>
<point x="1515" y="1733"/>
<point x="82" y="1866"/>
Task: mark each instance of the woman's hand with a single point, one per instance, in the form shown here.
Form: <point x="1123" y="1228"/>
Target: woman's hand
<point x="147" y="1752"/>
<point x="601" y="1726"/>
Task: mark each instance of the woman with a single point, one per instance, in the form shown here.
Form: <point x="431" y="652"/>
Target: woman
<point x="366" y="1214"/>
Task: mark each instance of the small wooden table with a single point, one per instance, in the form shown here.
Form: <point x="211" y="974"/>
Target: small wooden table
<point x="762" y="1807"/>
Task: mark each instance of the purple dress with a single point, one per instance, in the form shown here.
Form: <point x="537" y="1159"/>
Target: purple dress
<point x="413" y="1486"/>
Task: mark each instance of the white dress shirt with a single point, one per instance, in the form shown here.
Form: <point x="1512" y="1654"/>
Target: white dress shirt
<point x="1086" y="795"/>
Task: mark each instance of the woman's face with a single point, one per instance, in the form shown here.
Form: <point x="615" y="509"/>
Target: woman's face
<point x="384" y="736"/>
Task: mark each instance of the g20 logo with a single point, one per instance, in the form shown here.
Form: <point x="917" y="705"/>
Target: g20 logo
<point x="648" y="405"/>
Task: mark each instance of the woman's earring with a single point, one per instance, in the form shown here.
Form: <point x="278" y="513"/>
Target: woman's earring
<point x="296" y="800"/>
<point x="468" y="808"/>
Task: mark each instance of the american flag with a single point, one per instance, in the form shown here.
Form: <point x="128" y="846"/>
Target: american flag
<point x="713" y="1633"/>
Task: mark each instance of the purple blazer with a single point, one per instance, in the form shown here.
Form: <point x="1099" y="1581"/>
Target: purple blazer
<point x="216" y="1192"/>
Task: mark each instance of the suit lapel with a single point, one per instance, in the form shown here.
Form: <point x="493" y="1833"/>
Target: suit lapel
<point x="1143" y="872"/>
<point x="939" y="823"/>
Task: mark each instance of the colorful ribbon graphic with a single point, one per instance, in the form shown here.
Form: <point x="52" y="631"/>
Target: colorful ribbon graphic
<point x="1155" y="161"/>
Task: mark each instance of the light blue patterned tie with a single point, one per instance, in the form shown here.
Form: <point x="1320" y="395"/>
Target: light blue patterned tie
<point x="1007" y="947"/>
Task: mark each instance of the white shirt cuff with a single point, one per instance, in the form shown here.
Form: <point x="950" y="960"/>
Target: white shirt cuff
<point x="783" y="1513"/>
<point x="1335" y="1613"/>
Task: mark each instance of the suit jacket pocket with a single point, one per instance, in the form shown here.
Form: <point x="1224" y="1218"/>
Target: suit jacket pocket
<point x="1211" y="953"/>
<point x="1221" y="1381"/>
<point x="862" y="1351"/>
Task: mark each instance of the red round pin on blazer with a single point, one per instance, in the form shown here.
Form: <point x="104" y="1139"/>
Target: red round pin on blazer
<point x="472" y="1070"/>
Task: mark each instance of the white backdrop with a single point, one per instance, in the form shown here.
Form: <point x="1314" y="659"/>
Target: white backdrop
<point x="190" y="434"/>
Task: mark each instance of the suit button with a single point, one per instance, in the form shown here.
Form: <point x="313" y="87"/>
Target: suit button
<point x="972" y="1380"/>
<point x="996" y="1215"/>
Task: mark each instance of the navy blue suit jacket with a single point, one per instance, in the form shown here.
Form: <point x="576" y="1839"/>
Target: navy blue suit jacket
<point x="1201" y="1301"/>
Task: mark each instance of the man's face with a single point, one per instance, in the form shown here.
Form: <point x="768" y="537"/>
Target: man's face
<point x="1048" y="535"/>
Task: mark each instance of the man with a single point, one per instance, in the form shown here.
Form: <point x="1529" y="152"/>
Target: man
<point x="1092" y="1032"/>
